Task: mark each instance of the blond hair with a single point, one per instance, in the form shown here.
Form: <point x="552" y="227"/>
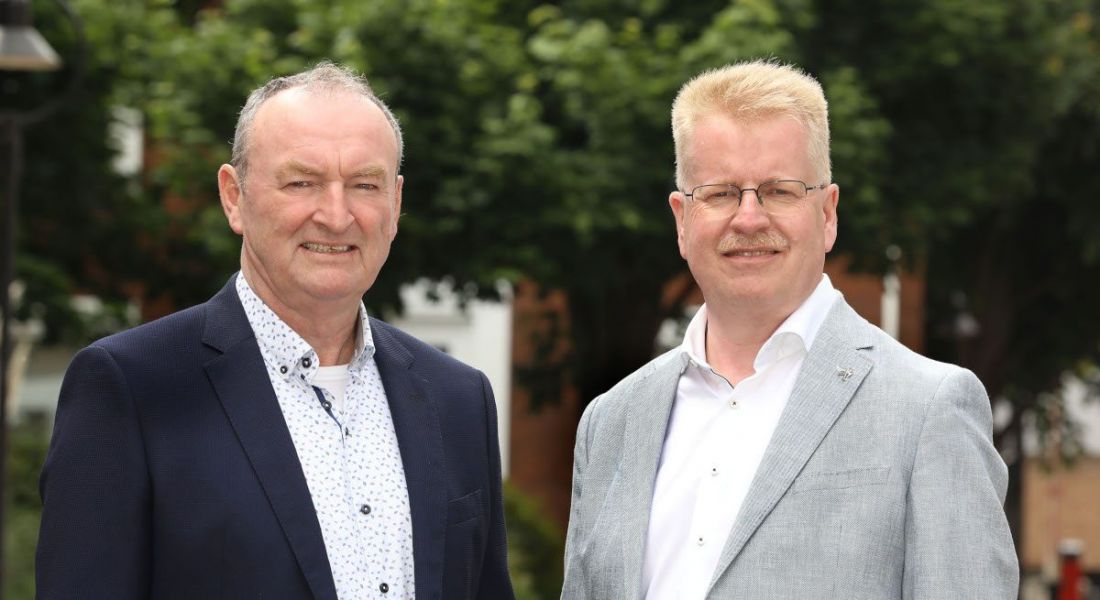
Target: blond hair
<point x="752" y="91"/>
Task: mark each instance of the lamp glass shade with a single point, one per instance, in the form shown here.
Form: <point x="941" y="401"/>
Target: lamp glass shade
<point x="22" y="48"/>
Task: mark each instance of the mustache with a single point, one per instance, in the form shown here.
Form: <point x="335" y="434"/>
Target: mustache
<point x="735" y="242"/>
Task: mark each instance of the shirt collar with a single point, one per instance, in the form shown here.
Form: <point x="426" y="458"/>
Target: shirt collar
<point x="287" y="351"/>
<point x="796" y="333"/>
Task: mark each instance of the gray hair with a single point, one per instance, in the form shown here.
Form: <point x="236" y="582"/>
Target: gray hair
<point x="325" y="76"/>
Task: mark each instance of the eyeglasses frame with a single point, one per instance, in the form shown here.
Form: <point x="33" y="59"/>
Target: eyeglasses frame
<point x="741" y="191"/>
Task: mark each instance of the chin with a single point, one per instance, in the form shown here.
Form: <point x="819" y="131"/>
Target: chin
<point x="753" y="293"/>
<point x="332" y="289"/>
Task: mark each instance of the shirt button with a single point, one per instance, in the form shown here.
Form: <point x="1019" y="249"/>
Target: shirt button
<point x="365" y="509"/>
<point x="282" y="369"/>
<point x="326" y="404"/>
<point x="700" y="541"/>
<point x="733" y="403"/>
<point x="714" y="471"/>
<point x="306" y="362"/>
<point x="384" y="588"/>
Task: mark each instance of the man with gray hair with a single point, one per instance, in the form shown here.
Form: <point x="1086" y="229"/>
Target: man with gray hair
<point x="787" y="449"/>
<point x="276" y="441"/>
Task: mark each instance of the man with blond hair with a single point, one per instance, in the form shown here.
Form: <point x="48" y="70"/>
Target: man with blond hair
<point x="787" y="448"/>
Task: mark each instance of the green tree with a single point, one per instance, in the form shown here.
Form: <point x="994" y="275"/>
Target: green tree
<point x="995" y="116"/>
<point x="539" y="147"/>
<point x="538" y="144"/>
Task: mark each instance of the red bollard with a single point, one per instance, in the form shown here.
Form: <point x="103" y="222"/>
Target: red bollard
<point x="1071" y="577"/>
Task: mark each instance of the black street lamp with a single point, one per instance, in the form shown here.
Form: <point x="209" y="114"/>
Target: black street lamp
<point x="22" y="48"/>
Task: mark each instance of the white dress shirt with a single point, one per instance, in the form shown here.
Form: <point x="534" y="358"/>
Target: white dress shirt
<point x="716" y="438"/>
<point x="348" y="452"/>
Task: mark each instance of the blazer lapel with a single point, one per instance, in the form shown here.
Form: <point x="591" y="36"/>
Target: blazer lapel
<point x="241" y="382"/>
<point x="830" y="376"/>
<point x="416" y="422"/>
<point x="647" y="422"/>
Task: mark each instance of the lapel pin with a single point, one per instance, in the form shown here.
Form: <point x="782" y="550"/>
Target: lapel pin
<point x="844" y="373"/>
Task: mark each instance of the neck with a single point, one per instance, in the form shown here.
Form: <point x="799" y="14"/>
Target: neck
<point x="334" y="346"/>
<point x="737" y="330"/>
<point x="329" y="328"/>
<point x="734" y="340"/>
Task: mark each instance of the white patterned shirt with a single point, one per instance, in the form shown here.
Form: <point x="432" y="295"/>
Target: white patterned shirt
<point x="716" y="438"/>
<point x="348" y="453"/>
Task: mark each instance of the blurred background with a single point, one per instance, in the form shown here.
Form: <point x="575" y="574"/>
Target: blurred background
<point x="537" y="244"/>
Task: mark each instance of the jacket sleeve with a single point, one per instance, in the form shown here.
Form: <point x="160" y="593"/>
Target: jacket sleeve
<point x="573" y="587"/>
<point x="94" y="540"/>
<point x="957" y="540"/>
<point x="494" y="582"/>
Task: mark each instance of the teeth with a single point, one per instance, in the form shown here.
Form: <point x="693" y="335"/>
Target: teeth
<point x="326" y="249"/>
<point x="752" y="253"/>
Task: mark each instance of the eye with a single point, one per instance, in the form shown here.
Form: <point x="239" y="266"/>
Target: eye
<point x="781" y="192"/>
<point x="715" y="193"/>
<point x="369" y="187"/>
<point x="299" y="184"/>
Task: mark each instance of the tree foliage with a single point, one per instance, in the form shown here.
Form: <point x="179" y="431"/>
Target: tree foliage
<point x="995" y="131"/>
<point x="539" y="147"/>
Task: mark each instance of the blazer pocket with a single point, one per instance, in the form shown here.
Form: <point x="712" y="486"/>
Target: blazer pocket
<point x="838" y="480"/>
<point x="464" y="508"/>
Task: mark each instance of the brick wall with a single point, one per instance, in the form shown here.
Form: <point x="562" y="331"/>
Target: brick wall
<point x="1060" y="502"/>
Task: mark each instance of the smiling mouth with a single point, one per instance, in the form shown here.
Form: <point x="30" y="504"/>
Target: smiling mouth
<point x="325" y="248"/>
<point x="750" y="253"/>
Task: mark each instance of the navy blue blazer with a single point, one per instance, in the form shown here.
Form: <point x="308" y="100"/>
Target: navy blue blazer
<point x="171" y="472"/>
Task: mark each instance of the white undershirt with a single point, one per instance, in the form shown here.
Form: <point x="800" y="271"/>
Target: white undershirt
<point x="716" y="438"/>
<point x="333" y="380"/>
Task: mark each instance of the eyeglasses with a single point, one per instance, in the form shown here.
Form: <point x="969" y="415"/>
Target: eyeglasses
<point x="775" y="197"/>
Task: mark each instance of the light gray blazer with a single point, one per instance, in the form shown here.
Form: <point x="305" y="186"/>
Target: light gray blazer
<point x="881" y="481"/>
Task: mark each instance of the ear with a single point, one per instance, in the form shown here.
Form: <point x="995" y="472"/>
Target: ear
<point x="229" y="189"/>
<point x="396" y="206"/>
<point x="832" y="198"/>
<point x="678" y="203"/>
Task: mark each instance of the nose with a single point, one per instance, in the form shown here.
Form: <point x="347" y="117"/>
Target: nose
<point x="750" y="214"/>
<point x="332" y="211"/>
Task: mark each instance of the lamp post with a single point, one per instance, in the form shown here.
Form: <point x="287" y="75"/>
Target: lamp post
<point x="22" y="48"/>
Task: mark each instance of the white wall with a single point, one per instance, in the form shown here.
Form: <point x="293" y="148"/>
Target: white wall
<point x="479" y="335"/>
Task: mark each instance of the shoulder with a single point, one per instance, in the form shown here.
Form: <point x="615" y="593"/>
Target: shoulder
<point x="629" y="384"/>
<point x="908" y="369"/>
<point x="219" y="323"/>
<point x="174" y="334"/>
<point x="612" y="404"/>
<point x="894" y="364"/>
<point x="146" y="362"/>
<point x="902" y="379"/>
